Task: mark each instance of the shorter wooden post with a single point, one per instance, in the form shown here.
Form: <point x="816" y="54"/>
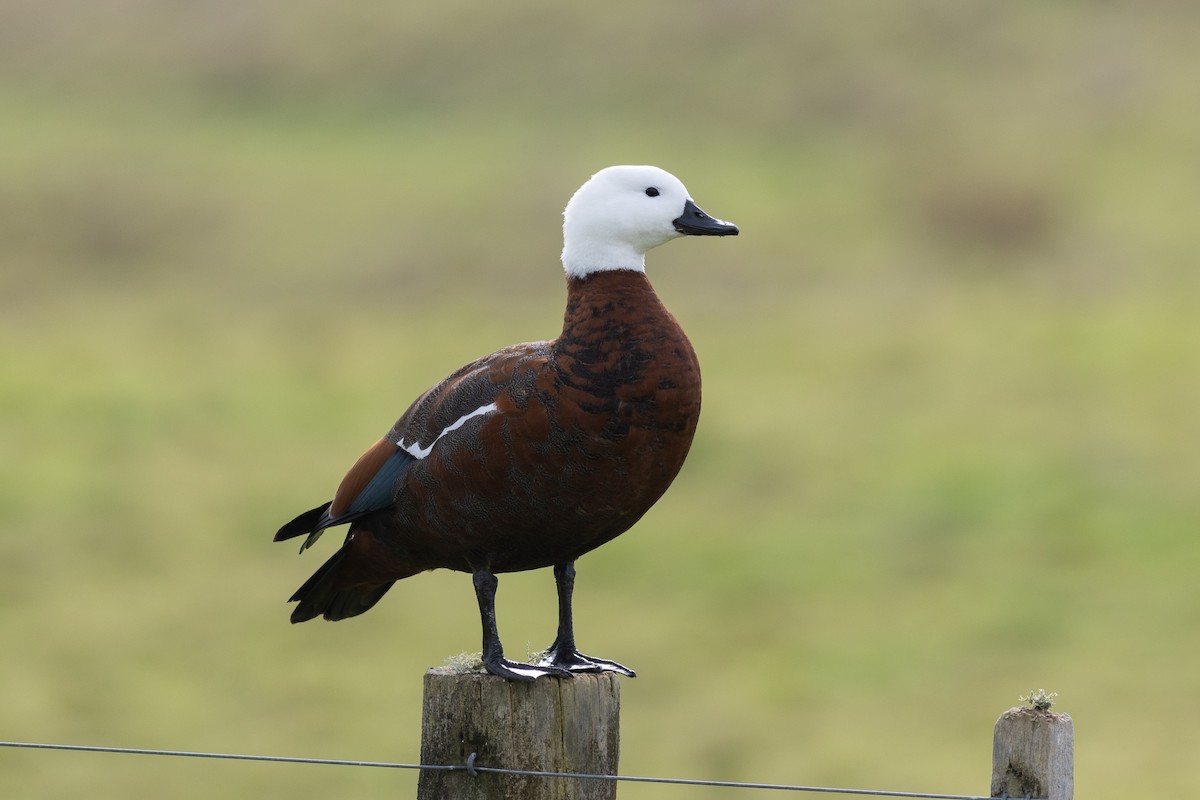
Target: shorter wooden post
<point x="547" y="725"/>
<point x="1033" y="755"/>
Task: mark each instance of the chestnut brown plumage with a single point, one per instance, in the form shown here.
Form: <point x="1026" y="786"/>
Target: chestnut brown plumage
<point x="540" y="452"/>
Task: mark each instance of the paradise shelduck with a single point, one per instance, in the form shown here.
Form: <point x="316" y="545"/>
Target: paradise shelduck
<point x="540" y="452"/>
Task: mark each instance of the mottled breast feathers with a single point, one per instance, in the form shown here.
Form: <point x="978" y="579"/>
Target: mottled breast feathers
<point x="539" y="452"/>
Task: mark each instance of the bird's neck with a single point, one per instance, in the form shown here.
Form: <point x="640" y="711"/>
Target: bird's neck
<point x="623" y="356"/>
<point x="585" y="256"/>
<point x="615" y="326"/>
<point x="602" y="304"/>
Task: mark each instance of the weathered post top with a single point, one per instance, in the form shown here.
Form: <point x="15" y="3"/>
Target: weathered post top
<point x="547" y="725"/>
<point x="1033" y="755"/>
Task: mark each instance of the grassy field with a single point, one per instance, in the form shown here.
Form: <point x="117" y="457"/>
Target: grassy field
<point x="952" y="373"/>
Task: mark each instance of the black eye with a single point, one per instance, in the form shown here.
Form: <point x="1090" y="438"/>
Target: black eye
<point x="651" y="192"/>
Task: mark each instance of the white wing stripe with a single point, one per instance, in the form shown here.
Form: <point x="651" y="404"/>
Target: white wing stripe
<point x="420" y="452"/>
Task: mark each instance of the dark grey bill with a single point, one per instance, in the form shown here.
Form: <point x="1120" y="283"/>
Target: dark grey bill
<point x="695" y="222"/>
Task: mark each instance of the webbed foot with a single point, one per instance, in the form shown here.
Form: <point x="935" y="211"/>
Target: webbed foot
<point x="574" y="661"/>
<point x="520" y="671"/>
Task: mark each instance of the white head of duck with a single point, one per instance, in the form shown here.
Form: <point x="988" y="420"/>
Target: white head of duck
<point x="622" y="212"/>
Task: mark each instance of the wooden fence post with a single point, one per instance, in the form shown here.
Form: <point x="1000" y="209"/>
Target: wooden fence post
<point x="1033" y="755"/>
<point x="548" y="725"/>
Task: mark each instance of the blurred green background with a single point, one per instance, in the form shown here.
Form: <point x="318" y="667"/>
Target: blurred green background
<point x="949" y="446"/>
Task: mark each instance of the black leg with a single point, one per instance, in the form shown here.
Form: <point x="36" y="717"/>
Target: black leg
<point x="493" y="652"/>
<point x="564" y="581"/>
<point x="563" y="653"/>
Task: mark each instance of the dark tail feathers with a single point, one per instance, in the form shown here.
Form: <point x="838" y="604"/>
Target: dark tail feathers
<point x="305" y="523"/>
<point x="324" y="594"/>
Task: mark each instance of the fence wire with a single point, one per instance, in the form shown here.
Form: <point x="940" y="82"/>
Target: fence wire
<point x="472" y="769"/>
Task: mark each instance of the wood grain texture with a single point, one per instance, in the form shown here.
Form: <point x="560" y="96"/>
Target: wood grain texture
<point x="1033" y="755"/>
<point x="549" y="725"/>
